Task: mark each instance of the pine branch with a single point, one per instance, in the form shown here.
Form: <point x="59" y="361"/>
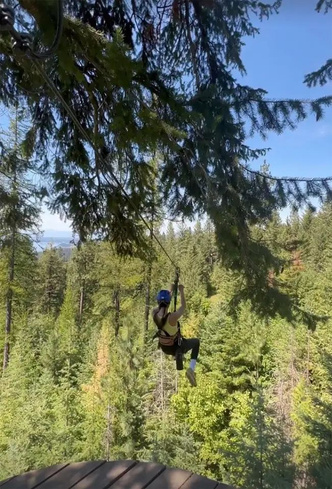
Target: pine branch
<point x="277" y="115"/>
<point x="286" y="179"/>
<point x="321" y="76"/>
<point x="324" y="3"/>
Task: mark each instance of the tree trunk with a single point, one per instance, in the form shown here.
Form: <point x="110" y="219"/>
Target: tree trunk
<point x="117" y="310"/>
<point x="308" y="357"/>
<point x="81" y="264"/>
<point x="11" y="271"/>
<point x="49" y="288"/>
<point x="108" y="432"/>
<point x="147" y="296"/>
<point x="9" y="301"/>
<point x="82" y="300"/>
<point x="162" y="387"/>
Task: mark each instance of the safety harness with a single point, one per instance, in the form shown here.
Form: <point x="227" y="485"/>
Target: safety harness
<point x="165" y="339"/>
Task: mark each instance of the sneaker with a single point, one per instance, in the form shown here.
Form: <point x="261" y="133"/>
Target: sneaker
<point x="191" y="377"/>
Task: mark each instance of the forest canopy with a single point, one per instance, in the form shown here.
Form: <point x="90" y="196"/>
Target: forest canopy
<point x="140" y="104"/>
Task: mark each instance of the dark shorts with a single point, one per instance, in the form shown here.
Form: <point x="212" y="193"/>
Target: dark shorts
<point x="186" y="345"/>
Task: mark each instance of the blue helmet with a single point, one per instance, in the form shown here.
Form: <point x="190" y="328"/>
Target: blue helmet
<point x="164" y="296"/>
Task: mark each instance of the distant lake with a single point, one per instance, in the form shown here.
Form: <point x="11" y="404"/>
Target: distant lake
<point x="57" y="242"/>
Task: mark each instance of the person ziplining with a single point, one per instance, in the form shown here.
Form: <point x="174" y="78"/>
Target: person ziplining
<point x="171" y="340"/>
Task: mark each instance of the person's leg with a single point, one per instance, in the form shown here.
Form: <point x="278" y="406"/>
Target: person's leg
<point x="193" y="345"/>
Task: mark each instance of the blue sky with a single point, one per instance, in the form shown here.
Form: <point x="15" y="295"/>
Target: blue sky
<point x="291" y="44"/>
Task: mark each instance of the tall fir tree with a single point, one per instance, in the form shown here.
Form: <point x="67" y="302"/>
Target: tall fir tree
<point x="51" y="281"/>
<point x="18" y="213"/>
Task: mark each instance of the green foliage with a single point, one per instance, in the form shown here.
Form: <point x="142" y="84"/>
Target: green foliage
<point x="320" y="76"/>
<point x="144" y="78"/>
<point x="51" y="281"/>
<point x="19" y="214"/>
<point x="256" y="453"/>
<point x="78" y="388"/>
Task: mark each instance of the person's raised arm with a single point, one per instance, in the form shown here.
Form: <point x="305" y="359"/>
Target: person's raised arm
<point x="175" y="316"/>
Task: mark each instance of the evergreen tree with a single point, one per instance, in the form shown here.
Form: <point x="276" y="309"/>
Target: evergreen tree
<point x="96" y="403"/>
<point x="18" y="213"/>
<point x="24" y="411"/>
<point x="51" y="281"/>
<point x="119" y="279"/>
<point x="66" y="336"/>
<point x="81" y="279"/>
<point x="257" y="455"/>
<point x="316" y="420"/>
<point x="160" y="379"/>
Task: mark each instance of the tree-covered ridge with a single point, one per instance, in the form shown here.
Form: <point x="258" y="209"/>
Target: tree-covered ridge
<point x="153" y="80"/>
<point x="86" y="381"/>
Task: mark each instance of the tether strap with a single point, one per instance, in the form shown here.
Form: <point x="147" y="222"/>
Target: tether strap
<point x="176" y="283"/>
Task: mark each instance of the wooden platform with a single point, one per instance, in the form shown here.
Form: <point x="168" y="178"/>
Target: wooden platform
<point x="123" y="474"/>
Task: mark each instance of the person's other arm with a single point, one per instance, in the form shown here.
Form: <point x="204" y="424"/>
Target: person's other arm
<point x="175" y="316"/>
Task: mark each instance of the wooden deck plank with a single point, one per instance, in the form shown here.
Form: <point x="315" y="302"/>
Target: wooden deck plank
<point x="71" y="475"/>
<point x="103" y="476"/>
<point x="224" y="486"/>
<point x="170" y="479"/>
<point x="2" y="483"/>
<point x="199" y="482"/>
<point x="140" y="476"/>
<point x="33" y="478"/>
<point x="122" y="474"/>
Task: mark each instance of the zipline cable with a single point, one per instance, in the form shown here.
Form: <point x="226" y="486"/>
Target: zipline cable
<point x="55" y="44"/>
<point x="246" y="169"/>
<point x="72" y="115"/>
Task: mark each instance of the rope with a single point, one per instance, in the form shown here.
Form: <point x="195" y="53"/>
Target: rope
<point x="58" y="94"/>
<point x="72" y="115"/>
<point x="176" y="283"/>
<point x="55" y="45"/>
